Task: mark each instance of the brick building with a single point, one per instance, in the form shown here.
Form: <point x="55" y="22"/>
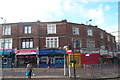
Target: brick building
<point x="41" y="35"/>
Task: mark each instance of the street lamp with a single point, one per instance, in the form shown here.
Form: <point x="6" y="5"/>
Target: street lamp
<point x="88" y="21"/>
<point x="3" y="39"/>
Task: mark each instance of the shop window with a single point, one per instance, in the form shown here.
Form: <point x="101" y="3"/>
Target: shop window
<point x="43" y="60"/>
<point x="27" y="43"/>
<point x="59" y="60"/>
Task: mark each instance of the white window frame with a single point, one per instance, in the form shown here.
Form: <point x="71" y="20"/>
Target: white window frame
<point x="6" y="30"/>
<point x="113" y="40"/>
<point x="6" y="43"/>
<point x="90" y="32"/>
<point x="90" y="44"/>
<point x="108" y="38"/>
<point x="27" y="44"/>
<point x="75" y="30"/>
<point x="51" y="28"/>
<point x="102" y="35"/>
<point x="27" y="29"/>
<point x="52" y="42"/>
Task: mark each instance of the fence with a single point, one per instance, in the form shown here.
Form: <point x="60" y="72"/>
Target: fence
<point x="88" y="71"/>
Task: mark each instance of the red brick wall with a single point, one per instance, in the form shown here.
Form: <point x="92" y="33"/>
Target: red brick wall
<point x="64" y="32"/>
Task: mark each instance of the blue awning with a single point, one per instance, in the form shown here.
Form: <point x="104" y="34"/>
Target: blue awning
<point x="52" y="51"/>
<point x="6" y="51"/>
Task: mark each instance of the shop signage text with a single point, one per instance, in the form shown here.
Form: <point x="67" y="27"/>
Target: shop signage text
<point x="52" y="51"/>
<point x="90" y="51"/>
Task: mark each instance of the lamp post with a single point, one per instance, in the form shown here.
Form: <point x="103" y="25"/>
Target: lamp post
<point x="3" y="45"/>
<point x="88" y="21"/>
<point x="3" y="39"/>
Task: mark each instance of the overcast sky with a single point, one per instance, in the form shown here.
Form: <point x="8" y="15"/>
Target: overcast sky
<point x="103" y="14"/>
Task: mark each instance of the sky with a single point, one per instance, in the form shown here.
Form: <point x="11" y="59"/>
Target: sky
<point x="104" y="13"/>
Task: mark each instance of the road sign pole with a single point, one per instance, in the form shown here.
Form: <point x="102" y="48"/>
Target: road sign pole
<point x="65" y="65"/>
<point x="74" y="65"/>
<point x="69" y="67"/>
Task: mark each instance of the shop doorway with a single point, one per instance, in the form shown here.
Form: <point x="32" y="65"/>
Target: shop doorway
<point x="23" y="60"/>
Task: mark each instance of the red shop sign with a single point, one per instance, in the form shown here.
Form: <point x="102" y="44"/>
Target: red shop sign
<point x="26" y="51"/>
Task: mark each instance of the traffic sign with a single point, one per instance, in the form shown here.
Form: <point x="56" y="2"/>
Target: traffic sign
<point x="69" y="51"/>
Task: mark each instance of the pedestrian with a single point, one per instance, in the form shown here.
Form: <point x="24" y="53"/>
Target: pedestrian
<point x="29" y="70"/>
<point x="49" y="63"/>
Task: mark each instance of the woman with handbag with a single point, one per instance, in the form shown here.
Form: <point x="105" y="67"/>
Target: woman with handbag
<point x="29" y="70"/>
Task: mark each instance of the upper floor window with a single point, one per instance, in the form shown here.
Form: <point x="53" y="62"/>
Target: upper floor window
<point x="113" y="40"/>
<point x="27" y="29"/>
<point x="6" y="43"/>
<point x="75" y="30"/>
<point x="90" y="32"/>
<point x="77" y="44"/>
<point x="101" y="35"/>
<point x="7" y="30"/>
<point x="108" y="38"/>
<point x="27" y="43"/>
<point x="90" y="44"/>
<point x="51" y="28"/>
<point x="52" y="42"/>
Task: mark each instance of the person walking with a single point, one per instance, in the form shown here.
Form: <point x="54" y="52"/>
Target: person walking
<point x="29" y="70"/>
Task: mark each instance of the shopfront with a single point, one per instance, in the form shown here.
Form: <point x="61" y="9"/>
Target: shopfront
<point x="53" y="58"/>
<point x="74" y="57"/>
<point x="8" y="58"/>
<point x="90" y="56"/>
<point x="24" y="56"/>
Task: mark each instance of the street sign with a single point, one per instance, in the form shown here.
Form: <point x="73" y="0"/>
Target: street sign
<point x="69" y="51"/>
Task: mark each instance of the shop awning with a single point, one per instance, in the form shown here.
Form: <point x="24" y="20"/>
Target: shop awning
<point x="107" y="56"/>
<point x="26" y="52"/>
<point x="52" y="51"/>
<point x="6" y="51"/>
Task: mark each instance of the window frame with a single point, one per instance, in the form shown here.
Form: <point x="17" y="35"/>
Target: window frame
<point x="6" y="43"/>
<point x="26" y="43"/>
<point x="89" y="32"/>
<point x="51" y="42"/>
<point x="90" y="44"/>
<point x="108" y="38"/>
<point x="76" y="31"/>
<point x="6" y="30"/>
<point x="101" y="35"/>
<point x="51" y="28"/>
<point x="27" y="29"/>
